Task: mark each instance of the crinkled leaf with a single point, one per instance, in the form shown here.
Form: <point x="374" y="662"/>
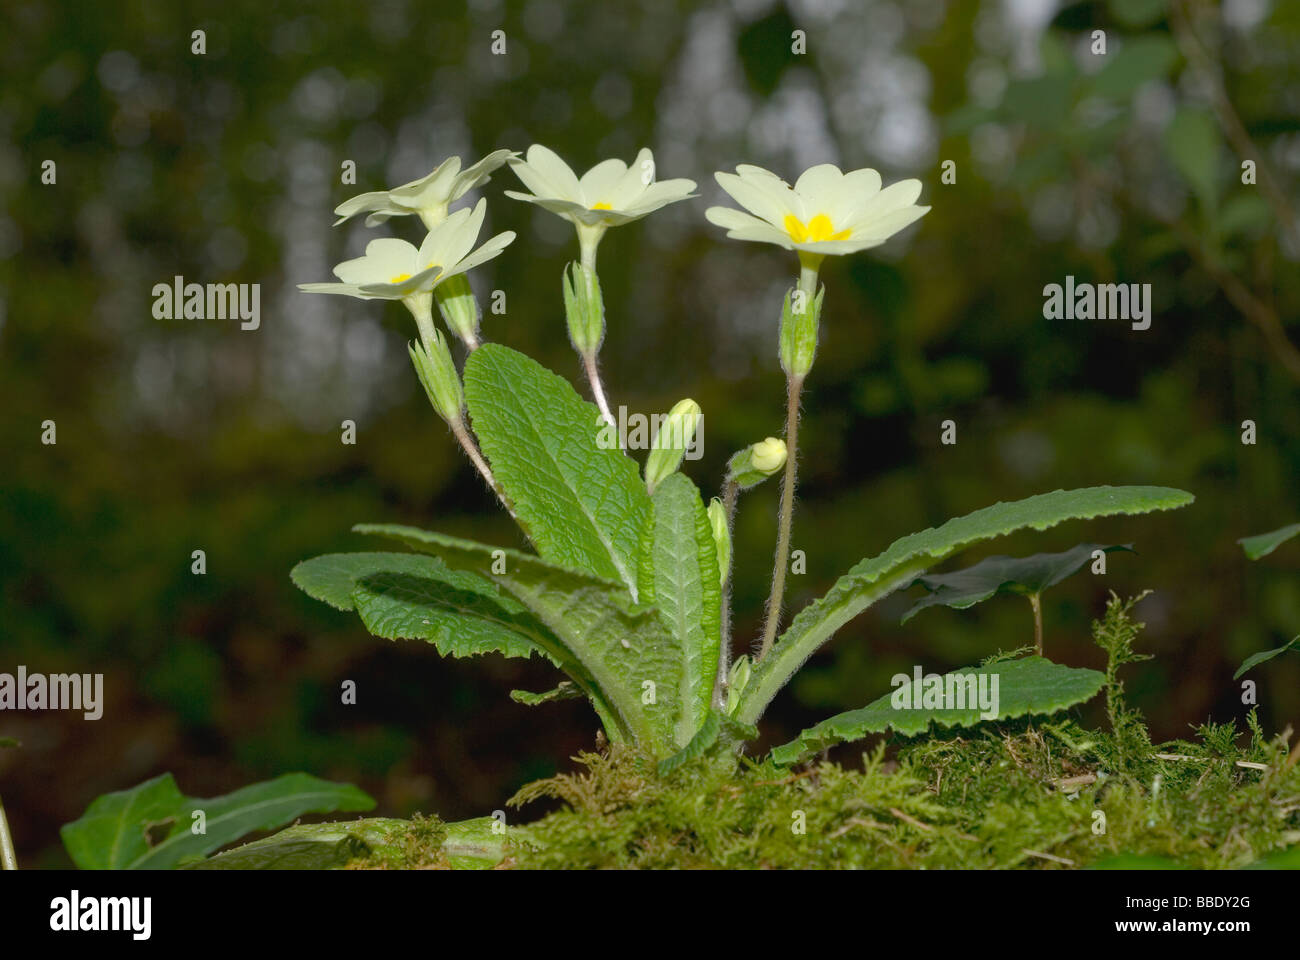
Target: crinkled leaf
<point x="608" y="644"/>
<point x="581" y="503"/>
<point x="412" y="596"/>
<point x="910" y="556"/>
<point x="1255" y="659"/>
<point x="149" y="825"/>
<point x="993" y="575"/>
<point x="459" y="622"/>
<point x="1032" y="685"/>
<point x="1262" y="544"/>
<point x="680" y="577"/>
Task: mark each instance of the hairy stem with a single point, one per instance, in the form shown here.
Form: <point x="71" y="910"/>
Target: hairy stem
<point x="597" y="391"/>
<point x="475" y="457"/>
<point x="794" y="386"/>
<point x="8" y="859"/>
<point x="730" y="491"/>
<point x="1037" y="604"/>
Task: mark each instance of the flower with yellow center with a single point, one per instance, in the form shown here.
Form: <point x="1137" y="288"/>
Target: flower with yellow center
<point x="393" y="269"/>
<point x="429" y="196"/>
<point x="608" y="195"/>
<point x="825" y="212"/>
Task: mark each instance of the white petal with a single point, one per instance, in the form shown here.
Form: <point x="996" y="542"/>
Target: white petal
<point x="346" y="289"/>
<point x="390" y="253"/>
<point x="429" y="190"/>
<point x="483" y="254"/>
<point x="767" y="198"/>
<point x="479" y="174"/>
<point x="893" y="197"/>
<point x="598" y="182"/>
<point x="375" y="200"/>
<point x="563" y="207"/>
<point x="883" y="227"/>
<point x="819" y="181"/>
<point x="562" y="181"/>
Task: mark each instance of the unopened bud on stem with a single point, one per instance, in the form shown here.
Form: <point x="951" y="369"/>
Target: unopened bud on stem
<point x="721" y="537"/>
<point x="800" y="318"/>
<point x="758" y="461"/>
<point x="459" y="308"/>
<point x="584" y="309"/>
<point x="671" y="442"/>
<point x="438" y="376"/>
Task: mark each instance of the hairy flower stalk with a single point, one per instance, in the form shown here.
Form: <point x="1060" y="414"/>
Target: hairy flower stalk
<point x="722" y="514"/>
<point x="826" y="212"/>
<point x="436" y="370"/>
<point x="746" y="469"/>
<point x="799" y="322"/>
<point x="610" y="194"/>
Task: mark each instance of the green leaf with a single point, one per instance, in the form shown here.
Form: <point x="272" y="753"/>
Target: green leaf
<point x="469" y="844"/>
<point x="459" y="622"/>
<point x="1261" y="545"/>
<point x="1023" y="575"/>
<point x="9" y="743"/>
<point x="475" y="844"/>
<point x="909" y="557"/>
<point x="681" y="579"/>
<point x="609" y="645"/>
<point x="332" y="578"/>
<point x="716" y="727"/>
<point x="150" y="825"/>
<point x="1032" y="685"/>
<point x="582" y="504"/>
<point x="1192" y="142"/>
<point x="1255" y="659"/>
<point x="412" y="596"/>
<point x="566" y="690"/>
<point x="308" y="846"/>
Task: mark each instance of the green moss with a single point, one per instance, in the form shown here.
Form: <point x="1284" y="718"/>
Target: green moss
<point x="419" y="847"/>
<point x="1022" y="794"/>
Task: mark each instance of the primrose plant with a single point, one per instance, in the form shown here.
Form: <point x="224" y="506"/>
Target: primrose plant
<point x="626" y="589"/>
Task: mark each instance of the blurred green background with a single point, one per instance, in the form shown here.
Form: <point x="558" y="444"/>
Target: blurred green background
<point x="192" y="434"/>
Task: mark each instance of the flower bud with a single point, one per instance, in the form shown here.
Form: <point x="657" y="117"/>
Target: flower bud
<point x="671" y="442"/>
<point x="737" y="680"/>
<point x="459" y="307"/>
<point x="721" y="537"/>
<point x="758" y="461"/>
<point x="800" y="316"/>
<point x="584" y="309"/>
<point x="438" y="376"/>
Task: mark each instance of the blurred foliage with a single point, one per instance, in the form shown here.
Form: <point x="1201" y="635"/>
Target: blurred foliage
<point x="177" y="435"/>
